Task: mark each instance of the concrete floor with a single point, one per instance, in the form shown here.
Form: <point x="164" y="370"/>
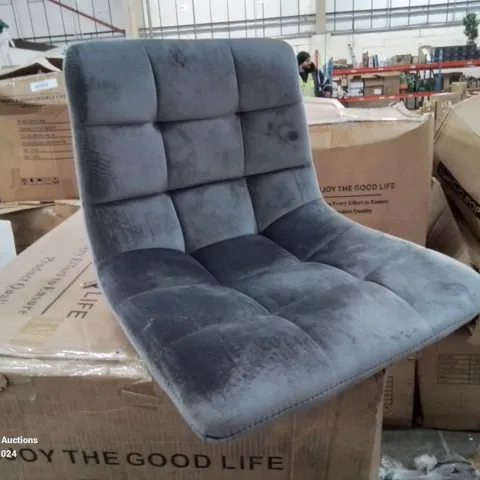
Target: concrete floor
<point x="455" y="448"/>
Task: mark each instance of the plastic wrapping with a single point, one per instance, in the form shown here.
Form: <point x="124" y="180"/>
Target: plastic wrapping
<point x="54" y="320"/>
<point x="321" y="111"/>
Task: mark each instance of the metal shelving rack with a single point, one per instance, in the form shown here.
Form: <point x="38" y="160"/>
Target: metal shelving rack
<point x="423" y="67"/>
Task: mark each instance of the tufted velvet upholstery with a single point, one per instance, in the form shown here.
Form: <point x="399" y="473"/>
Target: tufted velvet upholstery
<point x="246" y="295"/>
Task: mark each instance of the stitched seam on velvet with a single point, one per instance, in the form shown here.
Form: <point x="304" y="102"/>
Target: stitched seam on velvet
<point x="328" y="242"/>
<point x="199" y="185"/>
<point x="92" y="125"/>
<point x="286" y="214"/>
<point x="264" y="270"/>
<point x="402" y="300"/>
<point x="372" y="369"/>
<point x="179" y="219"/>
<point x="411" y="249"/>
<point x="132" y="297"/>
<point x="354" y="277"/>
<point x="324" y="293"/>
<point x="243" y="139"/>
<point x="154" y="82"/>
<point x="207" y="327"/>
<point x="273" y="172"/>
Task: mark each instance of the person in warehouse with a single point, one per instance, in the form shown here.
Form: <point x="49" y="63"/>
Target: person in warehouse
<point x="312" y="80"/>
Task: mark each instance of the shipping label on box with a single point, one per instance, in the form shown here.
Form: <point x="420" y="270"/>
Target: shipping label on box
<point x="449" y="383"/>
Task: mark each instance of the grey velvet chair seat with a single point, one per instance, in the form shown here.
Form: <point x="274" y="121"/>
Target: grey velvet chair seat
<point x="244" y="293"/>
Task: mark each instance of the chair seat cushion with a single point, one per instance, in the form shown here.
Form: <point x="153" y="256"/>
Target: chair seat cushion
<point x="247" y="329"/>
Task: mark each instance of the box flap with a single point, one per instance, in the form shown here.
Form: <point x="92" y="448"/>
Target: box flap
<point x="7" y="243"/>
<point x="38" y="65"/>
<point x="34" y="89"/>
<point x="14" y="207"/>
<point x="53" y="321"/>
<point x="444" y="234"/>
<point x="321" y="114"/>
<point x="350" y="127"/>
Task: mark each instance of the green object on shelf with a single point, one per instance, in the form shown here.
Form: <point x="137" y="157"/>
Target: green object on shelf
<point x="3" y="25"/>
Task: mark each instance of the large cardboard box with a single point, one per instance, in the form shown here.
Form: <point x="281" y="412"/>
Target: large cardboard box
<point x="442" y="103"/>
<point x="457" y="150"/>
<point x="80" y="404"/>
<point x="373" y="85"/>
<point x="36" y="153"/>
<point x="391" y="83"/>
<point x="374" y="166"/>
<point x="444" y="234"/>
<point x="449" y="371"/>
<point x="31" y="220"/>
<point x="449" y="383"/>
<point x="398" y="403"/>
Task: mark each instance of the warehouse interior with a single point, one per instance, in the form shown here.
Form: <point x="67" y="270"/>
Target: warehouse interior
<point x="389" y="106"/>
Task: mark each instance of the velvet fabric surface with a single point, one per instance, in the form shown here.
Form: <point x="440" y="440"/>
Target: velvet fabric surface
<point x="244" y="293"/>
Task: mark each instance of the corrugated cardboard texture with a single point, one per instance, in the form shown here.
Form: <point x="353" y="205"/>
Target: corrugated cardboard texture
<point x="36" y="152"/>
<point x="71" y="383"/>
<point x="449" y="371"/>
<point x="449" y="383"/>
<point x="374" y="166"/>
<point x="399" y="394"/>
<point x="444" y="234"/>
<point x="457" y="150"/>
<point x="30" y="221"/>
<point x="376" y="171"/>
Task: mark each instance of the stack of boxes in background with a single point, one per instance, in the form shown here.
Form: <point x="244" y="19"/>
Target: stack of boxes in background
<point x="456" y="53"/>
<point x="36" y="166"/>
<point x="387" y="83"/>
<point x="66" y="367"/>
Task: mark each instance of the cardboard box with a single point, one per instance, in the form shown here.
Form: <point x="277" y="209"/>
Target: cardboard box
<point x="398" y="403"/>
<point x="424" y="54"/>
<point x="373" y="85"/>
<point x="391" y="83"/>
<point x="449" y="383"/>
<point x="457" y="149"/>
<point x="444" y="234"/>
<point x="374" y="166"/>
<point x="471" y="241"/>
<point x="30" y="221"/>
<point x="36" y="152"/>
<point x="443" y="102"/>
<point x="86" y="407"/>
<point x="405" y="59"/>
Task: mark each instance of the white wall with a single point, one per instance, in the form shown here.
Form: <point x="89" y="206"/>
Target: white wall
<point x="387" y="44"/>
<point x="28" y="18"/>
<point x="170" y="13"/>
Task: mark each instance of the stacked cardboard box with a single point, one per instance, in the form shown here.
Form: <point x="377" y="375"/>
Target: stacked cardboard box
<point x="439" y="105"/>
<point x="36" y="157"/>
<point x="457" y="148"/>
<point x="449" y="372"/>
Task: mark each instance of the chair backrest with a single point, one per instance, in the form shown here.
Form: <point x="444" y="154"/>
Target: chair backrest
<point x="182" y="144"/>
